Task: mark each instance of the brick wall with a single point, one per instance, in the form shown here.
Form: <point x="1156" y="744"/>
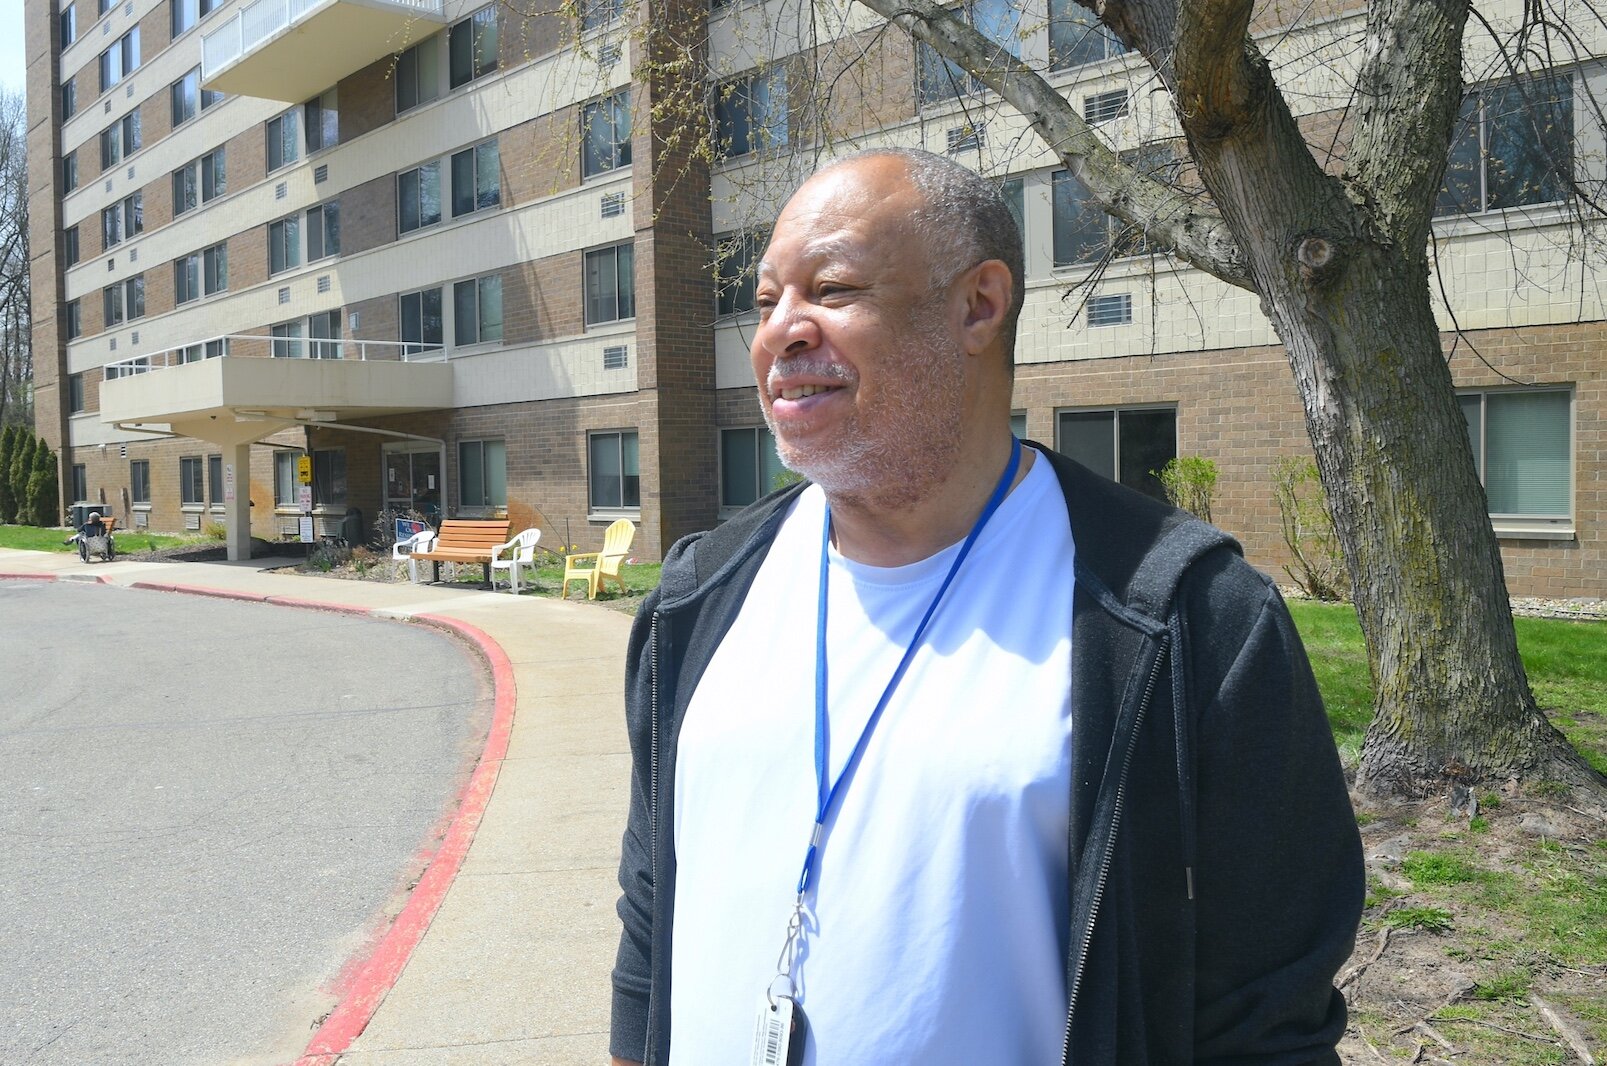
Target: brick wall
<point x="368" y="215"/>
<point x="367" y="99"/>
<point x="531" y="30"/>
<point x="540" y="157"/>
<point x="108" y="477"/>
<point x="544" y="299"/>
<point x="854" y="84"/>
<point x="377" y="320"/>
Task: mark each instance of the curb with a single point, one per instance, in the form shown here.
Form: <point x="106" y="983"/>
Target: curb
<point x="371" y="979"/>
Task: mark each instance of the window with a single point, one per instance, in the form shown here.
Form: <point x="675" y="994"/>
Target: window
<point x="1522" y="447"/>
<point x="477" y="310"/>
<point x="1018" y="425"/>
<point x="1083" y="232"/>
<point x="125" y="301"/>
<point x="201" y="273"/>
<point x="75" y="394"/>
<point x="286" y="343"/>
<point x="1076" y="37"/>
<point x="323" y="231"/>
<point x="80" y="486"/>
<point x="418" y="75"/>
<point x="614" y="478"/>
<point x="476" y="179"/>
<point x="1014" y="193"/>
<point x="69" y="24"/>
<point x="212" y="349"/>
<point x="472" y="47"/>
<point x="748" y="466"/>
<point x="187" y="13"/>
<point x="610" y="284"/>
<point x="74" y="315"/>
<point x="1104" y="107"/>
<point x="1513" y="145"/>
<point x="323" y="122"/>
<point x="323" y="335"/>
<point x="125" y="218"/>
<point x="329" y="478"/>
<point x="595" y="14"/>
<point x="284" y="139"/>
<point x="69" y="99"/>
<point x="605" y="130"/>
<point x="942" y="79"/>
<point x="190" y="487"/>
<point x="482" y="473"/>
<point x="186" y="96"/>
<point x="214" y="479"/>
<point x="285" y="482"/>
<point x="119" y="139"/>
<point x="735" y="272"/>
<point x="418" y="197"/>
<point x="750" y="113"/>
<point x="197" y="182"/>
<point x="120" y="60"/>
<point x="187" y="278"/>
<point x="1125" y="445"/>
<point x="215" y="270"/>
<point x="284" y="244"/>
<point x="102" y="6"/>
<point x="139" y="482"/>
<point x="422" y="328"/>
<point x="1110" y="309"/>
<point x="69" y="246"/>
<point x="69" y="171"/>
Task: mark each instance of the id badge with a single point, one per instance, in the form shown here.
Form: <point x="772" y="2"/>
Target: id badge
<point x="779" y="1034"/>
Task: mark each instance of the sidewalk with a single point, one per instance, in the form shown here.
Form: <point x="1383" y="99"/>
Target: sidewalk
<point x="514" y="967"/>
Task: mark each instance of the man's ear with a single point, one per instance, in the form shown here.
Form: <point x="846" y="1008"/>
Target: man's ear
<point x="987" y="291"/>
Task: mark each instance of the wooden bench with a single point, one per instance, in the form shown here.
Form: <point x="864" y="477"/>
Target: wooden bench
<point x="465" y="541"/>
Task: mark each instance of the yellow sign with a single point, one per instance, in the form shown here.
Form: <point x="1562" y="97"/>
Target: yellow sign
<point x="304" y="469"/>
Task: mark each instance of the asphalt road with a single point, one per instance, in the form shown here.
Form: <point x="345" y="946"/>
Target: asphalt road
<point x="206" y="807"/>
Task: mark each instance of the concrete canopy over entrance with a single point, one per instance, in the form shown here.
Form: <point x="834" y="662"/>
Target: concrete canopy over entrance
<point x="234" y="402"/>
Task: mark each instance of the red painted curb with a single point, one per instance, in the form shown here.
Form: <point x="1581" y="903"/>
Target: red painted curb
<point x="371" y="979"/>
<point x="368" y="986"/>
<point x="28" y="577"/>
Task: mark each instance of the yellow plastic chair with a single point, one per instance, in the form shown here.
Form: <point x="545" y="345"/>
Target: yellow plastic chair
<point x="603" y="565"/>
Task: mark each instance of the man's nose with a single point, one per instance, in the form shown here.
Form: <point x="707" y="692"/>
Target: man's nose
<point x="789" y="329"/>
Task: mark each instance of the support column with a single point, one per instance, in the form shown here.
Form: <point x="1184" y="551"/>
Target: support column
<point x="237" y="499"/>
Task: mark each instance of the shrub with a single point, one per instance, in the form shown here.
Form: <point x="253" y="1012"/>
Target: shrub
<point x="8" y="500"/>
<point x="327" y="556"/>
<point x="18" y="473"/>
<point x="215" y="531"/>
<point x="1190" y="482"/>
<point x="1308" y="530"/>
<point x="44" y="492"/>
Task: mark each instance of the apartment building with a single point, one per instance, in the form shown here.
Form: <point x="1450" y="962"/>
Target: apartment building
<point x="475" y="259"/>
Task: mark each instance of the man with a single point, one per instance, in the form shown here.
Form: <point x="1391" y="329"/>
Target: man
<point x="960" y="753"/>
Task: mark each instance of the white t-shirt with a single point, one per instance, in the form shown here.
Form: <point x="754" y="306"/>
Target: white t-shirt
<point x="936" y="930"/>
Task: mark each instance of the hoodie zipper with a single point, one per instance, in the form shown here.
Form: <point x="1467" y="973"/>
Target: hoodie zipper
<point x="1110" y="846"/>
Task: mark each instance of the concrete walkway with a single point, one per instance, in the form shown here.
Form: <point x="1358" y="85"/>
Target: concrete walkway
<point x="513" y="967"/>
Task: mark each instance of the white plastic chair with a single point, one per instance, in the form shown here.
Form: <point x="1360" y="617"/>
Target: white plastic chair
<point x="520" y="553"/>
<point x="421" y="541"/>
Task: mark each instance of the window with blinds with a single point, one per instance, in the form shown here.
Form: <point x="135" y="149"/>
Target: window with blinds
<point x="1522" y="444"/>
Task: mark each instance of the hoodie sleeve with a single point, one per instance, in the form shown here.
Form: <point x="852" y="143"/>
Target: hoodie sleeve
<point x="633" y="964"/>
<point x="1280" y="878"/>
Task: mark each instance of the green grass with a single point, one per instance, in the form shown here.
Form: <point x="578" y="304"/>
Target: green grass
<point x="640" y="579"/>
<point x="44" y="539"/>
<point x="1437" y="868"/>
<point x="1566" y="662"/>
<point x="1428" y="919"/>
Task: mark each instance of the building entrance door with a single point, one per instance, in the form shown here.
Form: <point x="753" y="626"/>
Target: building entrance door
<point x="413" y="481"/>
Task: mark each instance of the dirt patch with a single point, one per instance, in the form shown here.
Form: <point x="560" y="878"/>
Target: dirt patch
<point x="1485" y="934"/>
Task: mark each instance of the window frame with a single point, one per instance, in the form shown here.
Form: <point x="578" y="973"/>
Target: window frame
<point x="69" y="172"/>
<point x="482" y="59"/>
<point x="615" y="154"/>
<point x="422" y="343"/>
<point x="734" y="100"/>
<point x="736" y="279"/>
<point x="619" y="297"/>
<point x="957" y="82"/>
<point x="73" y="314"/>
<point x="479" y="288"/>
<point x="326" y="228"/>
<point x="762" y="466"/>
<point x="79" y="476"/>
<point x="282" y="139"/>
<point x="1556" y="172"/>
<point x="485" y="503"/>
<point x="69" y="98"/>
<point x="596" y="508"/>
<point x="139" y="483"/>
<point x="1150" y="485"/>
<point x="119" y="59"/>
<point x="325" y="132"/>
<point x="284" y="244"/>
<point x="1535" y="525"/>
<point x="127" y="298"/>
<point x="417" y="175"/>
<point x="185" y="96"/>
<point x="481" y="159"/>
<point x="192" y="469"/>
<point x="70" y="247"/>
<point x="214" y="481"/>
<point x="411" y="70"/>
<point x="75" y="394"/>
<point x="67" y="25"/>
<point x="120" y="140"/>
<point x="1067" y="12"/>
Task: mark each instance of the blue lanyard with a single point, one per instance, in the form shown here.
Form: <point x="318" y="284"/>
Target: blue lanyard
<point x="827" y="794"/>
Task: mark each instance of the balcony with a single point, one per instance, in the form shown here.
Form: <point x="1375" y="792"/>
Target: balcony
<point x="247" y="395"/>
<point x="292" y="50"/>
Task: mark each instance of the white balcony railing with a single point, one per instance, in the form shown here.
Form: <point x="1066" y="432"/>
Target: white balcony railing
<point x="262" y="19"/>
<point x="258" y="345"/>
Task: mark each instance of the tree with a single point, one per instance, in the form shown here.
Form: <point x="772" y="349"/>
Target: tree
<point x="18" y="473"/>
<point x="44" y="492"/>
<point x="1341" y="263"/>
<point x="16" y="357"/>
<point x="8" y="502"/>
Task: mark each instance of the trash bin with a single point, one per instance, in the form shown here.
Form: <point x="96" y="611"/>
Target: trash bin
<point x="351" y="528"/>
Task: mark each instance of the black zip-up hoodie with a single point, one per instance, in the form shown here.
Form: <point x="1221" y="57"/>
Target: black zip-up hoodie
<point x="1216" y="869"/>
